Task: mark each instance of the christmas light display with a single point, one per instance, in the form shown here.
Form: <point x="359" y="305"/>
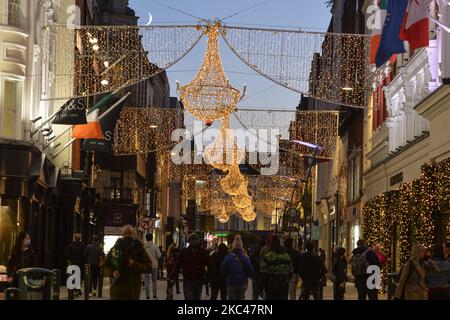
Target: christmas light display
<point x="210" y="96"/>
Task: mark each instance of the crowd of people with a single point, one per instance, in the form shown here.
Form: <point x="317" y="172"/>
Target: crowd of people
<point x="275" y="270"/>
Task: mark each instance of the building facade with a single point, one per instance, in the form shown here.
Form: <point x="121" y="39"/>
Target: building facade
<point x="404" y="127"/>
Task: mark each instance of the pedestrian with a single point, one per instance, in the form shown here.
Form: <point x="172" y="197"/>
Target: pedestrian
<point x="236" y="268"/>
<point x="382" y="259"/>
<point x="362" y="258"/>
<point x="154" y="254"/>
<point x="94" y="256"/>
<point x="295" y="258"/>
<point x="438" y="279"/>
<point x="22" y="256"/>
<point x="312" y="271"/>
<point x="339" y="272"/>
<point x="257" y="280"/>
<point x="322" y="257"/>
<point x="412" y="285"/>
<point x="160" y="269"/>
<point x="126" y="262"/>
<point x="204" y="246"/>
<point x="171" y="263"/>
<point x="194" y="261"/>
<point x="276" y="268"/>
<point x="218" y="283"/>
<point x="75" y="255"/>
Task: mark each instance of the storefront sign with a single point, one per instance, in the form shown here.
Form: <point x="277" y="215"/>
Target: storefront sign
<point x="398" y="178"/>
<point x="112" y="231"/>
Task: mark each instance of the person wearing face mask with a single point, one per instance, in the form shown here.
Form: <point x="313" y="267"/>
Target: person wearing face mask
<point x="22" y="256"/>
<point x="126" y="261"/>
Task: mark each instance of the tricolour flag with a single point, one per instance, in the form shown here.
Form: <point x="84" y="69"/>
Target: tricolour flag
<point x="108" y="121"/>
<point x="415" y="28"/>
<point x="380" y="18"/>
<point x="390" y="40"/>
<point x="93" y="129"/>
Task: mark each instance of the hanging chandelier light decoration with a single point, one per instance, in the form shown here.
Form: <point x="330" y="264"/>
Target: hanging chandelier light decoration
<point x="224" y="151"/>
<point x="209" y="96"/>
<point x="242" y="201"/>
<point x="234" y="183"/>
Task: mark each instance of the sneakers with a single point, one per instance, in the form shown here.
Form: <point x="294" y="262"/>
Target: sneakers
<point x="155" y="298"/>
<point x="94" y="293"/>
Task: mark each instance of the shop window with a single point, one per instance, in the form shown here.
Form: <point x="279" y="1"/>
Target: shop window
<point x="10" y="225"/>
<point x="354" y="179"/>
<point x="12" y="106"/>
<point x="14" y="12"/>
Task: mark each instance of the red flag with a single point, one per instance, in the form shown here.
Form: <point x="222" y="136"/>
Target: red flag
<point x="415" y="28"/>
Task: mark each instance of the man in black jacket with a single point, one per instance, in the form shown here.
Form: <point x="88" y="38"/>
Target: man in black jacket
<point x="362" y="251"/>
<point x="312" y="270"/>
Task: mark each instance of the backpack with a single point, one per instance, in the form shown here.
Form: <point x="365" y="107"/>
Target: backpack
<point x="360" y="264"/>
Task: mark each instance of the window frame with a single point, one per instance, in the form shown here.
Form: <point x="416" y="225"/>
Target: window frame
<point x="20" y="111"/>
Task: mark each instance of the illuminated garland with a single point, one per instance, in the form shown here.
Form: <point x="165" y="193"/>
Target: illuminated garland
<point x="410" y="211"/>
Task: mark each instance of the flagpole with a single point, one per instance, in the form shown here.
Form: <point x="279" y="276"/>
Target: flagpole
<point x="114" y="106"/>
<point x="114" y="64"/>
<point x="447" y="29"/>
<point x="65" y="147"/>
<point x="46" y="121"/>
<point x="63" y="133"/>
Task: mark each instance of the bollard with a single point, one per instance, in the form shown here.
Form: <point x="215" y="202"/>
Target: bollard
<point x="100" y="282"/>
<point x="87" y="281"/>
<point x="56" y="284"/>
<point x="35" y="284"/>
<point x="12" y="294"/>
<point x="392" y="283"/>
<point x="71" y="294"/>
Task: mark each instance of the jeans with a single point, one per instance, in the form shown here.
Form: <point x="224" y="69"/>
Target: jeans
<point x="95" y="272"/>
<point x="192" y="290"/>
<point x="236" y="292"/>
<point x="177" y="283"/>
<point x="311" y="289"/>
<point x="215" y="292"/>
<point x="256" y="288"/>
<point x="160" y="270"/>
<point x="154" y="275"/>
<point x="338" y="292"/>
<point x="363" y="291"/>
<point x="293" y="287"/>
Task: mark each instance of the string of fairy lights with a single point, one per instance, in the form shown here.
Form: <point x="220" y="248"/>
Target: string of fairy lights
<point x="329" y="67"/>
<point x="411" y="213"/>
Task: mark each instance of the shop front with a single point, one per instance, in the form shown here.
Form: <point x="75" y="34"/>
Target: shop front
<point x="353" y="222"/>
<point x="28" y="198"/>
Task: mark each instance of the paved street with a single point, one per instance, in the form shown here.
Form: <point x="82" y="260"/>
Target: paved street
<point x="351" y="293"/>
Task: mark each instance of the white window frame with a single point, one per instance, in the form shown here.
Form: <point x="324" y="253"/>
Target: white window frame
<point x="20" y="110"/>
<point x="19" y="8"/>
